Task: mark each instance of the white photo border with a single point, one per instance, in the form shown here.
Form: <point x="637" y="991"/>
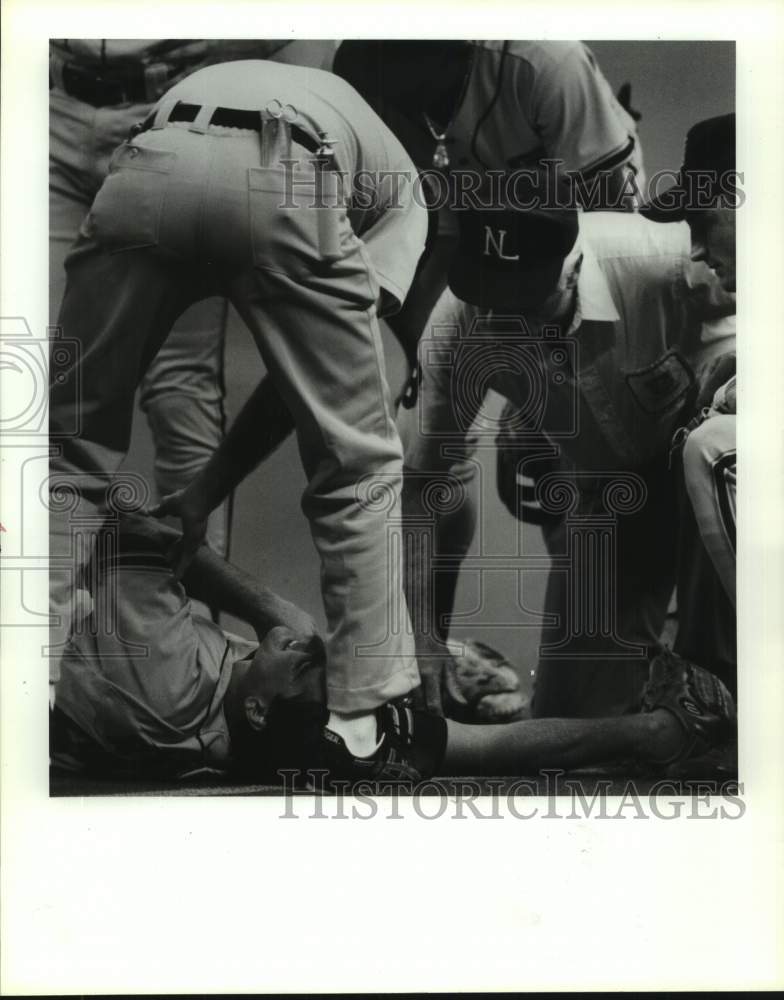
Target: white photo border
<point x="151" y="895"/>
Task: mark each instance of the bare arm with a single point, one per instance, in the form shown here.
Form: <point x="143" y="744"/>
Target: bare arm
<point x="220" y="584"/>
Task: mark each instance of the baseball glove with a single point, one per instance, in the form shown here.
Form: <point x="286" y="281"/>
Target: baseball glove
<point x="481" y="686"/>
<point x="696" y="698"/>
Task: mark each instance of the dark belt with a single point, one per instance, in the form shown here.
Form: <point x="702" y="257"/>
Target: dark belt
<point x="103" y="89"/>
<point x="228" y="118"/>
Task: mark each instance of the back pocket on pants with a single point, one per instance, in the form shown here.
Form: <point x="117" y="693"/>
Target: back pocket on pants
<point x="126" y="213"/>
<point x="289" y="233"/>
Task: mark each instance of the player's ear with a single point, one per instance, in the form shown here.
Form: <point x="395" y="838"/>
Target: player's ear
<point x="255" y="712"/>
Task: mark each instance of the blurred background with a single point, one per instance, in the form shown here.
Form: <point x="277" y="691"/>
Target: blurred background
<point x="673" y="85"/>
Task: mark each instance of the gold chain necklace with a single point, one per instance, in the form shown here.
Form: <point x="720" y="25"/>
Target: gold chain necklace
<point x="441" y="153"/>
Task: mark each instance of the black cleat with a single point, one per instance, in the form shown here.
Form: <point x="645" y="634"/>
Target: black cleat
<point x="411" y="747"/>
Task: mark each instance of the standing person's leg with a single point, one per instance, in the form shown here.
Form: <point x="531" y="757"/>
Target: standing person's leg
<point x="183" y="395"/>
<point x="454" y="524"/>
<point x="183" y="392"/>
<point x="707" y="619"/>
<point x="707" y="629"/>
<point x="91" y="400"/>
<point x="82" y="140"/>
<point x="314" y="319"/>
<point x="325" y="357"/>
<point x="71" y="186"/>
<point x="710" y="476"/>
<point x="606" y="598"/>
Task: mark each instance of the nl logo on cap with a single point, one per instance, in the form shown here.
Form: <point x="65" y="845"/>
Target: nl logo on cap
<point x="495" y="245"/>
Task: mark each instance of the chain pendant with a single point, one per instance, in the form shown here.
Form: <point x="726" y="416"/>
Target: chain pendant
<point x="441" y="156"/>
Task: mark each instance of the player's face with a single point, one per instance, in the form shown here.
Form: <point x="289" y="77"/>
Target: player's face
<point x="713" y="241"/>
<point x="287" y="666"/>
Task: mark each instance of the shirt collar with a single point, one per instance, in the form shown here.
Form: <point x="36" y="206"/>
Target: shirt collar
<point x="594" y="302"/>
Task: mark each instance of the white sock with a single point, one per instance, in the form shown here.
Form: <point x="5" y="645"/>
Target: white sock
<point x="359" y="732"/>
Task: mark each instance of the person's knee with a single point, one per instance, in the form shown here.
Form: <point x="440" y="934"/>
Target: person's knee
<point x="184" y="425"/>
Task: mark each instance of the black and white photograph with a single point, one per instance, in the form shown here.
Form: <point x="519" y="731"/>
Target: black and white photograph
<point x="377" y="457"/>
<point x="485" y="323"/>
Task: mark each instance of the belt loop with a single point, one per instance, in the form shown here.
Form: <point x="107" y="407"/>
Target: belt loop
<point x="163" y="111"/>
<point x="202" y="120"/>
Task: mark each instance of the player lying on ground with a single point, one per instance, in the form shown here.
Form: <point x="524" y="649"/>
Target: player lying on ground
<point x="150" y="689"/>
